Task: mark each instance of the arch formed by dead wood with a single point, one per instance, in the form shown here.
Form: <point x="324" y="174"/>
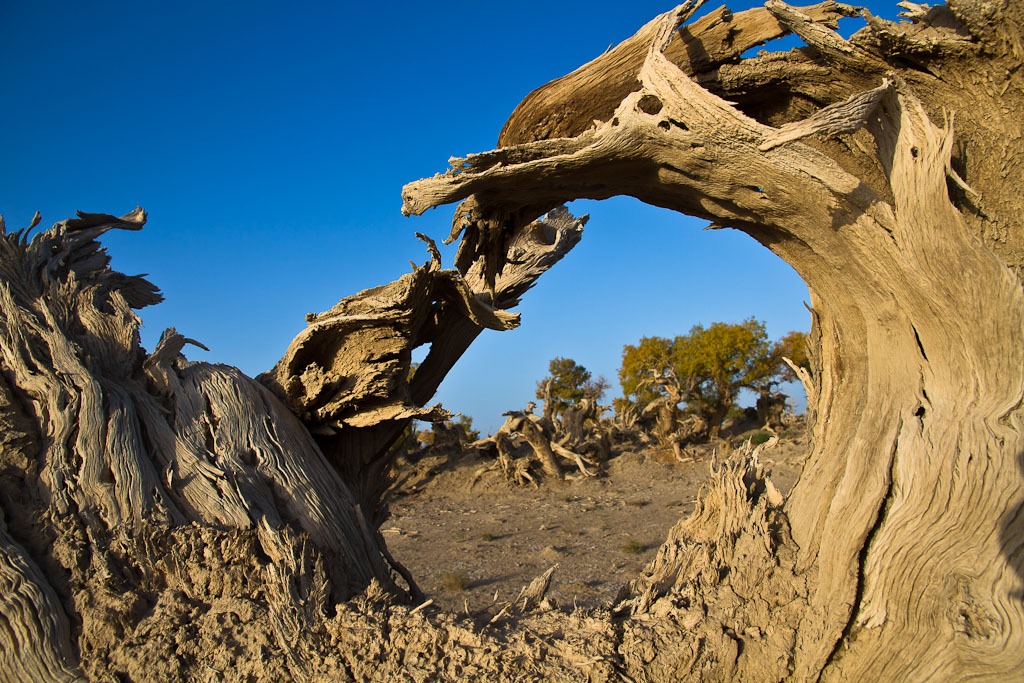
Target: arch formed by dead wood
<point x="161" y="518"/>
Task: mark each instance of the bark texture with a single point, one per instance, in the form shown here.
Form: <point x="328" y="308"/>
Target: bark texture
<point x="108" y="448"/>
<point x="841" y="158"/>
<point x="161" y="519"/>
<point x="167" y="518"/>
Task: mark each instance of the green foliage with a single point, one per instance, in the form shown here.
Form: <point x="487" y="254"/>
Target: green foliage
<point x="465" y="423"/>
<point x="718" y="361"/>
<point x="641" y="365"/>
<point x="758" y="438"/>
<point x="704" y="369"/>
<point x="570" y="382"/>
<point x="621" y="404"/>
<point x="793" y="346"/>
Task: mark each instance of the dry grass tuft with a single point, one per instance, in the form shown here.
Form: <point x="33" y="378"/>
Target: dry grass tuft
<point x="453" y="581"/>
<point x="633" y="547"/>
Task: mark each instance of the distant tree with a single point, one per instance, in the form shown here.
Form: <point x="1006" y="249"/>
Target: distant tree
<point x="567" y="384"/>
<point x="717" y="362"/>
<point x="465" y="423"/>
<point x="642" y="366"/>
<point x="704" y="369"/>
<point x="793" y="346"/>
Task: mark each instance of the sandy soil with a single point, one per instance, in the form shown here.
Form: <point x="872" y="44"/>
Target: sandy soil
<point x="466" y="541"/>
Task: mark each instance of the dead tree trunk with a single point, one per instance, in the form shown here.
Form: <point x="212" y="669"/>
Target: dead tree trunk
<point x="139" y="491"/>
<point x="541" y="445"/>
<point x="347" y="376"/>
<point x="841" y="158"/>
<point x="167" y="520"/>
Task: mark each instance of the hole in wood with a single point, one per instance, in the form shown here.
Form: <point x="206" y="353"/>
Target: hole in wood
<point x="650" y="104"/>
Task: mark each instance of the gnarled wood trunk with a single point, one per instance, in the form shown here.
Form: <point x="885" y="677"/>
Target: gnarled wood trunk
<point x="906" y="518"/>
<point x="165" y="519"/>
<point x="131" y="482"/>
<point x="109" y="449"/>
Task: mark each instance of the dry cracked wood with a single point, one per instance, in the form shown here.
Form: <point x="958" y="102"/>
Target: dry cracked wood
<point x="116" y="443"/>
<point x="127" y="440"/>
<point x="348" y="375"/>
<point x="175" y="520"/>
<point x="906" y="516"/>
<point x="113" y="456"/>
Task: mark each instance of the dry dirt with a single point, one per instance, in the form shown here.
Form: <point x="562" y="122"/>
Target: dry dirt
<point x="467" y="538"/>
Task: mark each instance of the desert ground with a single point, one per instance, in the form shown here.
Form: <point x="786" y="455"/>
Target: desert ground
<point x="473" y="540"/>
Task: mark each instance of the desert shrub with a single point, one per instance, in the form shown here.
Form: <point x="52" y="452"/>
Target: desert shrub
<point x="453" y="581"/>
<point x="758" y="438"/>
<point x="633" y="547"/>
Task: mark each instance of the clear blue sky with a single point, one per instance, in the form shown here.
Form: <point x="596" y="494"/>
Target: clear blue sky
<point x="269" y="142"/>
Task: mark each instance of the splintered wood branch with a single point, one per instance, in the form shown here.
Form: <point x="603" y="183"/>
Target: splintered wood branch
<point x="533" y="594"/>
<point x="561" y="450"/>
<point x="567" y="106"/>
<point x="824" y="40"/>
<point x="325" y="375"/>
<point x="348" y="376"/>
<point x="530" y="253"/>
<point x="937" y="31"/>
<point x="805" y="379"/>
<point x="842" y="117"/>
<point x="672" y="144"/>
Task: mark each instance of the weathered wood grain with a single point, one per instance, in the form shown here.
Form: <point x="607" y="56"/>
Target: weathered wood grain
<point x="903" y="514"/>
<point x="172" y="520"/>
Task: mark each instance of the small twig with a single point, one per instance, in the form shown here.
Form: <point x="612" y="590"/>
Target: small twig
<point x="422" y="606"/>
<point x="500" y="614"/>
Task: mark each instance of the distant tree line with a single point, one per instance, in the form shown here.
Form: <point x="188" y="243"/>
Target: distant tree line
<point x="697" y="375"/>
<point x="676" y="392"/>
